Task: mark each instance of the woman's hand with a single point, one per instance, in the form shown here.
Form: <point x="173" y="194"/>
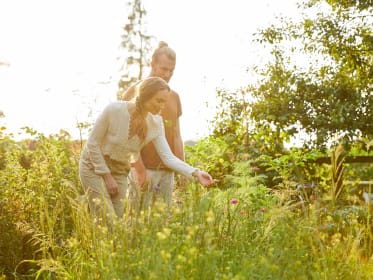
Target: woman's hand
<point x="203" y="177"/>
<point x="111" y="184"/>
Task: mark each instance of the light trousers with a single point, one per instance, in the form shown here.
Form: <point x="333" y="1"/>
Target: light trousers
<point x="101" y="203"/>
<point x="159" y="188"/>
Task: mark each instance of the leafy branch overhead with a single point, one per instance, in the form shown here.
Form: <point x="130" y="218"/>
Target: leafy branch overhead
<point x="320" y="76"/>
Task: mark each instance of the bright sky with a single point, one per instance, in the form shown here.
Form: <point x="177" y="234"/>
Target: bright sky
<point x="63" y="65"/>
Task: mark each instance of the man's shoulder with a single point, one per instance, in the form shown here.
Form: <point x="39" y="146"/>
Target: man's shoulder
<point x="130" y="93"/>
<point x="174" y="96"/>
<point x="173" y="92"/>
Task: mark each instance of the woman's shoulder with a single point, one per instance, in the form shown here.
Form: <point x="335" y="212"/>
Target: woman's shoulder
<point x="117" y="105"/>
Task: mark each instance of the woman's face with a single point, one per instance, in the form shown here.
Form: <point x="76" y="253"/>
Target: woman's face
<point x="155" y="104"/>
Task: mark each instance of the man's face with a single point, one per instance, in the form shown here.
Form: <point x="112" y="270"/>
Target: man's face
<point x="163" y="67"/>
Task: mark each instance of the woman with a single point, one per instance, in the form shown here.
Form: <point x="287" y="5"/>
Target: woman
<point x="115" y="141"/>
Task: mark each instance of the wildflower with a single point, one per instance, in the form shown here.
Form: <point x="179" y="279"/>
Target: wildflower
<point x="336" y="239"/>
<point x="255" y="169"/>
<point x="167" y="231"/>
<point x="234" y="201"/>
<point x="161" y="235"/>
<point x="210" y="217"/>
<point x="193" y="251"/>
<point x="72" y="242"/>
<point x="165" y="255"/>
<point x="96" y="201"/>
<point x="181" y="258"/>
<point x="164" y="234"/>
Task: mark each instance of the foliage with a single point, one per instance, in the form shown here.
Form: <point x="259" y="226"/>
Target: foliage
<point x="236" y="138"/>
<point x="39" y="176"/>
<point x="244" y="231"/>
<point x="248" y="225"/>
<point x="329" y="94"/>
<point x="231" y="119"/>
<point x="292" y="168"/>
<point x="137" y="45"/>
<point x="360" y="5"/>
<point x="225" y="159"/>
<point x="213" y="154"/>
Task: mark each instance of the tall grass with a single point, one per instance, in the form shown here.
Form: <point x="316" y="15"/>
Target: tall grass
<point x="245" y="232"/>
<point x="217" y="236"/>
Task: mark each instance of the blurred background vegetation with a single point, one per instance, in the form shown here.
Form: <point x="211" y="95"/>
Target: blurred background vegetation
<point x="275" y="213"/>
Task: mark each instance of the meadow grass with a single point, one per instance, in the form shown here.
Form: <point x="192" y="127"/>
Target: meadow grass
<point x="244" y="232"/>
<point x="209" y="235"/>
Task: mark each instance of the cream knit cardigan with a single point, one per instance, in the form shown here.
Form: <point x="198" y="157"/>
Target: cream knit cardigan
<point x="109" y="137"/>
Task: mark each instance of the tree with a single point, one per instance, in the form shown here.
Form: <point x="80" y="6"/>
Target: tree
<point x="231" y="120"/>
<point x="330" y="96"/>
<point x="137" y="45"/>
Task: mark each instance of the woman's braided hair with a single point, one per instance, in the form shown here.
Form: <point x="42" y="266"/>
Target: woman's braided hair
<point x="147" y="89"/>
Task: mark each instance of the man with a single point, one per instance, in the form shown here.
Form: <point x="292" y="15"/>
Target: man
<point x="149" y="168"/>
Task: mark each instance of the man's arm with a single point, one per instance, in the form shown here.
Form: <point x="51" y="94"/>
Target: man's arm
<point x="178" y="141"/>
<point x="179" y="145"/>
<point x="140" y="171"/>
<point x="179" y="152"/>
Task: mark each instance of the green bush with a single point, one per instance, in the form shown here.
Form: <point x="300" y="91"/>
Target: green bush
<point x="243" y="230"/>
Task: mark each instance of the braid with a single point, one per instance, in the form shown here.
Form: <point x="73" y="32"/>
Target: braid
<point x="139" y="105"/>
<point x="138" y="123"/>
<point x="147" y="89"/>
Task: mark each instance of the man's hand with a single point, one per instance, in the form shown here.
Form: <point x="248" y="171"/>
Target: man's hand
<point x="145" y="182"/>
<point x="141" y="179"/>
<point x="111" y="184"/>
<point x="141" y="176"/>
